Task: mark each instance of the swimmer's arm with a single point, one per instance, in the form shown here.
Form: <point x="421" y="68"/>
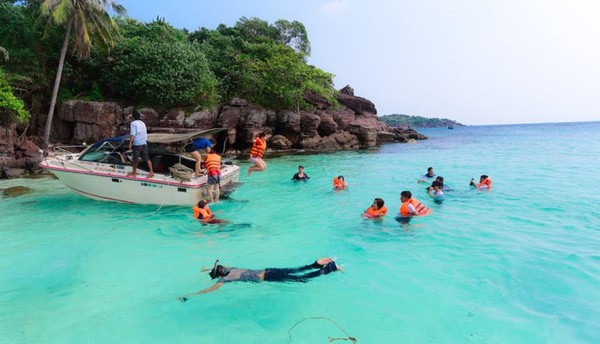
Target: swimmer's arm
<point x="412" y="210"/>
<point x="215" y="286"/>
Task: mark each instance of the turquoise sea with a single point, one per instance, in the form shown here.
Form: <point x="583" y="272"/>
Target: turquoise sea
<point x="519" y="264"/>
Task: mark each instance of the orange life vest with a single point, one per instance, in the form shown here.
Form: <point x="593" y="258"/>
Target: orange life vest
<point x="485" y="184"/>
<point x="258" y="148"/>
<point x="419" y="208"/>
<point x="376" y="213"/>
<point x="338" y="184"/>
<point x="212" y="162"/>
<point x="202" y="214"/>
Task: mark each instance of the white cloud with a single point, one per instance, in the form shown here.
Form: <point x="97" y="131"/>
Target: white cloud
<point x="335" y="6"/>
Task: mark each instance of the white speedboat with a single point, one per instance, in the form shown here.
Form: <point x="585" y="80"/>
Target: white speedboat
<point x="100" y="172"/>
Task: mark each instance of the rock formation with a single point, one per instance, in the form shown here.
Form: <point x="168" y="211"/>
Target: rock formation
<point x="352" y="125"/>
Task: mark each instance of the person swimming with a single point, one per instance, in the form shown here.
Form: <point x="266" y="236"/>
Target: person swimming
<point x="427" y="177"/>
<point x="322" y="266"/>
<point x="202" y="213"/>
<point x="377" y="210"/>
<point x="435" y="192"/>
<point x="339" y="183"/>
<point x="300" y="175"/>
<point x="485" y="183"/>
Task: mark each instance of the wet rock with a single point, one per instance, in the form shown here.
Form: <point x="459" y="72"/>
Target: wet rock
<point x="346" y="140"/>
<point x="366" y="129"/>
<point x="15" y="191"/>
<point x="16" y="172"/>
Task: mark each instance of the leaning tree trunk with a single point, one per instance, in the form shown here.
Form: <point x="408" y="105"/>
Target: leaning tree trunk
<point x="61" y="63"/>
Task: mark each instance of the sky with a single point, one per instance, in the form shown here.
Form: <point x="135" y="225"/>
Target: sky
<point x="474" y="61"/>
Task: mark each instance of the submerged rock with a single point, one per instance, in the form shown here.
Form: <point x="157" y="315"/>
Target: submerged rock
<point x="16" y="191"/>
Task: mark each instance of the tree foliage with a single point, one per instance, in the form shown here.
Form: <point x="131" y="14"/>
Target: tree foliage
<point x="153" y="63"/>
<point x="12" y="109"/>
<point x="157" y="65"/>
<point x="264" y="63"/>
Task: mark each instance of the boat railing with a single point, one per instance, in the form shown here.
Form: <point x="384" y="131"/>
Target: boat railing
<point x="69" y="149"/>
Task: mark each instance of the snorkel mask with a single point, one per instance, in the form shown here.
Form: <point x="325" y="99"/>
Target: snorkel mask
<point x="213" y="273"/>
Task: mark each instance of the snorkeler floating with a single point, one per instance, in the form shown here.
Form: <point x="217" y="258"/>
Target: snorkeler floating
<point x="226" y="274"/>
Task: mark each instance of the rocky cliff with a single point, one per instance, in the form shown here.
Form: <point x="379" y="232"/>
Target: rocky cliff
<point x="352" y="125"/>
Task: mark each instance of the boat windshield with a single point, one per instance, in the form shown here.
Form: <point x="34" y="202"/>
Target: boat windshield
<point x="116" y="152"/>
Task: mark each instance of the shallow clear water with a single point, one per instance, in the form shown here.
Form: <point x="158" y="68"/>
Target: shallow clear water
<point x="518" y="264"/>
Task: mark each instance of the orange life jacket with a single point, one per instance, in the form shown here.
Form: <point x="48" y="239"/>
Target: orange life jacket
<point x="212" y="162"/>
<point x="258" y="148"/>
<point x="376" y="213"/>
<point x="202" y="214"/>
<point x="419" y="208"/>
<point x="338" y="184"/>
<point x="485" y="184"/>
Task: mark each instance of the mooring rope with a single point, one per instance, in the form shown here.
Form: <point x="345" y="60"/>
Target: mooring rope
<point x="330" y="339"/>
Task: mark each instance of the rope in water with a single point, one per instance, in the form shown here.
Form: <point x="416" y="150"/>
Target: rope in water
<point x="348" y="337"/>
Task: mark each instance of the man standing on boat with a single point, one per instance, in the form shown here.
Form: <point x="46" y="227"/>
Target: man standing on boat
<point x="137" y="143"/>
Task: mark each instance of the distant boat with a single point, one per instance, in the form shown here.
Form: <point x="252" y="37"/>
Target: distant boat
<point x="450" y="126"/>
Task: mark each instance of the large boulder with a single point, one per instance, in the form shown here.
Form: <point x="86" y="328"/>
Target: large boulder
<point x="79" y="120"/>
<point x="327" y="144"/>
<point x="366" y="129"/>
<point x="357" y="104"/>
<point x="343" y="117"/>
<point x="385" y="136"/>
<point x="288" y="124"/>
<point x="271" y="118"/>
<point x="327" y="125"/>
<point x="150" y="117"/>
<point x="310" y="143"/>
<point x="173" y="118"/>
<point x="309" y="122"/>
<point x="346" y="140"/>
<point x="254" y="117"/>
<point x="206" y="119"/>
<point x="229" y="117"/>
<point x="280" y="142"/>
<point x="316" y="100"/>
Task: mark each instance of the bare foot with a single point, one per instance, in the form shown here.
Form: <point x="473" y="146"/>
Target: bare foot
<point x="131" y="174"/>
<point x="150" y="175"/>
<point x="249" y="171"/>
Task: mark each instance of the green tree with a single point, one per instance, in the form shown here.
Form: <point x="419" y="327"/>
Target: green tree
<point x="89" y="20"/>
<point x="161" y="73"/>
<point x="11" y="108"/>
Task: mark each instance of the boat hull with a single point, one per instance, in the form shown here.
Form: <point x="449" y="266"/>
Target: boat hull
<point x="111" y="183"/>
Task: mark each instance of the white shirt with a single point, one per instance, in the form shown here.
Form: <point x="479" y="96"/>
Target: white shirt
<point x="138" y="130"/>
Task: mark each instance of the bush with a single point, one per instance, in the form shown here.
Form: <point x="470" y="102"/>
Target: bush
<point x="161" y="73"/>
<point x="11" y="108"/>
